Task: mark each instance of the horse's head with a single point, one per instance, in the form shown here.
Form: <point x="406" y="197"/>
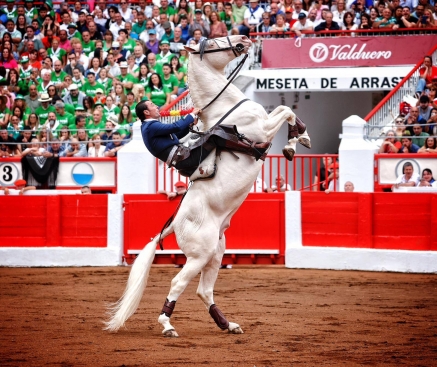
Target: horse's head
<point x="225" y="49"/>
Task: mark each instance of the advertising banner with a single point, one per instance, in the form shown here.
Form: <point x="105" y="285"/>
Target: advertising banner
<point x="73" y="172"/>
<point x="345" y="51"/>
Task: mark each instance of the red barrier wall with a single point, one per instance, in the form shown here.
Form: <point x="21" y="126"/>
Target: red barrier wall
<point x="258" y="226"/>
<point x="370" y="220"/>
<point x="67" y="221"/>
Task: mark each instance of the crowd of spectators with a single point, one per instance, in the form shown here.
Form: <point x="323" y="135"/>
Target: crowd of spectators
<point x="415" y="128"/>
<point x="335" y="15"/>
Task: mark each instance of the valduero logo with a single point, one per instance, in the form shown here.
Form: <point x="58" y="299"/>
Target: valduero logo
<point x="319" y="52"/>
<point x="82" y="173"/>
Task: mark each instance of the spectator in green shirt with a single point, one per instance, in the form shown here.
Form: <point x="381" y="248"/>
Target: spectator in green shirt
<point x="125" y="79"/>
<point x="167" y="10"/>
<point x="156" y="92"/>
<point x="90" y="87"/>
<point x="88" y="46"/>
<point x="140" y="26"/>
<point x="170" y="81"/>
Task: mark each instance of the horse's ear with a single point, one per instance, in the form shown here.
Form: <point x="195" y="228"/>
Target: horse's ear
<point x="189" y="49"/>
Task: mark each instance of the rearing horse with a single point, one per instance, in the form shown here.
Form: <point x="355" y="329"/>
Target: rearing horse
<point x="209" y="205"/>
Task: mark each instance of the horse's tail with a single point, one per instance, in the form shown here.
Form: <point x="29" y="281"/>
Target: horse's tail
<point x="125" y="307"/>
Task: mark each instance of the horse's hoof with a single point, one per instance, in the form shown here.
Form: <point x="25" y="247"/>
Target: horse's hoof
<point x="288" y="153"/>
<point x="305" y="142"/>
<point x="170" y="333"/>
<point x="237" y="330"/>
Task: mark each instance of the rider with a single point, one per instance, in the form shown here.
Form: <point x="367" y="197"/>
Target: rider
<point x="162" y="140"/>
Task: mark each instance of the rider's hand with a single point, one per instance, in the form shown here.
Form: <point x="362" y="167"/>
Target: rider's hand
<point x="196" y="111"/>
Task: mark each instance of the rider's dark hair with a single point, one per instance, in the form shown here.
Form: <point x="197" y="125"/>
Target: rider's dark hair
<point x="140" y="109"/>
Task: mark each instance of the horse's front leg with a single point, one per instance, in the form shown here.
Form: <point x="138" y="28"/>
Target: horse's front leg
<point x="274" y="123"/>
<point x="205" y="290"/>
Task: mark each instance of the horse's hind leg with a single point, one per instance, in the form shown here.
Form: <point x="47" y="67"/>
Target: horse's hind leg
<point x="192" y="267"/>
<point x="205" y="290"/>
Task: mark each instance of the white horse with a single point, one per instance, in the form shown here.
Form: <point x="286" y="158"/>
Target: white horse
<point x="209" y="205"/>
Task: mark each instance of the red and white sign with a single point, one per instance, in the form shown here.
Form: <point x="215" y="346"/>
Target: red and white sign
<point x="345" y="51"/>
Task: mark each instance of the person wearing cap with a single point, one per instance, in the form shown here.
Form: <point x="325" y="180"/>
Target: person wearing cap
<point x="73" y="32"/>
<point x="302" y="24"/>
<point x="125" y="79"/>
<point x="19" y="185"/>
<point x="117" y="52"/>
<point x="152" y="44"/>
<point x="74" y="96"/>
<point x="168" y="32"/>
<point x="252" y="17"/>
<point x="25" y="69"/>
<point x="91" y="85"/>
<point x="44" y="109"/>
<point x="180" y="190"/>
<point x="165" y="56"/>
<point x="198" y="23"/>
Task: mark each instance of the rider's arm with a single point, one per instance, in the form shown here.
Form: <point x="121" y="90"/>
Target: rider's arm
<point x="177" y="127"/>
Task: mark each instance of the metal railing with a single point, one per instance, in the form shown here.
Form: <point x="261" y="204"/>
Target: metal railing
<point x="388" y="109"/>
<point x="302" y="174"/>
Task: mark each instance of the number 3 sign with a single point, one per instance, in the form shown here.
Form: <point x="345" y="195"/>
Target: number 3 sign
<point x="8" y="174"/>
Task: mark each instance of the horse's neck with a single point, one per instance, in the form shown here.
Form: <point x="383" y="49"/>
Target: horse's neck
<point x="205" y="83"/>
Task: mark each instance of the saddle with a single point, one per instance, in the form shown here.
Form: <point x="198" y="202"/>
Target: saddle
<point x="232" y="141"/>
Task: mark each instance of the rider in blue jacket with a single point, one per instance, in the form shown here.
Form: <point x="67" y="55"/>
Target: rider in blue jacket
<point x="162" y="140"/>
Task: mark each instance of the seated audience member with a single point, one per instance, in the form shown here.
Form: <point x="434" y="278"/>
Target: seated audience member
<point x="35" y="149"/>
<point x="264" y="26"/>
<point x="328" y="24"/>
<point x="427" y="20"/>
<point x="424" y="107"/>
<point x="18" y="185"/>
<point x="348" y="187"/>
<point x="349" y="23"/>
<point x="431" y="124"/>
<point x="430" y="146"/>
<point x="96" y="149"/>
<point x="280" y="25"/>
<point x="113" y="147"/>
<point x="252" y="17"/>
<point x="427" y="179"/>
<point x="7" y="146"/>
<point x="365" y="23"/>
<point x="427" y="73"/>
<point x="390" y="143"/>
<point x="407" y="144"/>
<point x="419" y="136"/>
<point x="75" y="149"/>
<point x="259" y="185"/>
<point x="85" y="190"/>
<point x="54" y="149"/>
<point x="408" y="177"/>
<point x="320" y="182"/>
<point x="302" y="24"/>
<point x="280" y="186"/>
<point x="386" y="20"/>
<point x="180" y="190"/>
<point x="413" y="118"/>
<point x="334" y="183"/>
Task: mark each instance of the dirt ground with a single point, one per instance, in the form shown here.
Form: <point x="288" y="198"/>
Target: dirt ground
<point x="53" y="317"/>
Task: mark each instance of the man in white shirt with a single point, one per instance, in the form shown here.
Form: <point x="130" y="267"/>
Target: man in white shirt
<point x="408" y="177"/>
<point x="252" y="17"/>
<point x="298" y="9"/>
<point x="302" y="24"/>
<point x="119" y="24"/>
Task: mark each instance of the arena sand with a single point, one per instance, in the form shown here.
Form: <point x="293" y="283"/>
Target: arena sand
<point x="53" y="317"/>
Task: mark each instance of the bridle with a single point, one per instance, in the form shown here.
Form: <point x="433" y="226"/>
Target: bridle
<point x="238" y="50"/>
